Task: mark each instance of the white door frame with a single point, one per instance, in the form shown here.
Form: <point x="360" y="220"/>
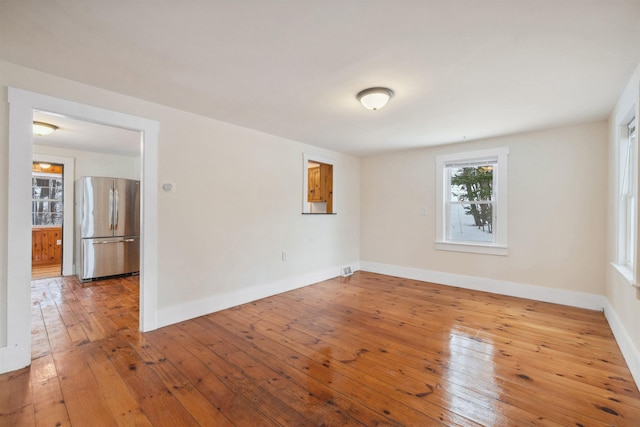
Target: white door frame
<point x="17" y="353"/>
<point x="68" y="175"/>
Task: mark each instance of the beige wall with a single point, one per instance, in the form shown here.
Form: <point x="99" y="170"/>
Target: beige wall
<point x="237" y="206"/>
<point x="4" y="183"/>
<point x="624" y="298"/>
<point x="556" y="222"/>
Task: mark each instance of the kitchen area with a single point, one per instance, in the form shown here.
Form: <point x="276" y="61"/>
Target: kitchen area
<point x="85" y="200"/>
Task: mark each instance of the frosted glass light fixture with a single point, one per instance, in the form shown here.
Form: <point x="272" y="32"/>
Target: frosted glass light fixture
<point x="375" y="98"/>
<point x="41" y="128"/>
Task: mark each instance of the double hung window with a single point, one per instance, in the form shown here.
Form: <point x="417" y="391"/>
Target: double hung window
<point x="472" y="201"/>
<point x="627" y="199"/>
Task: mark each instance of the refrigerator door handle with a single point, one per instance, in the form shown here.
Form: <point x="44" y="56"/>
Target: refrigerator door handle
<point x="111" y="209"/>
<point x="115" y="222"/>
<point x="106" y="242"/>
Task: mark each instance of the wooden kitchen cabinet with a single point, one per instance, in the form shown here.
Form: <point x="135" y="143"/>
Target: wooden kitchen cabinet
<point x="320" y="188"/>
<point x="314" y="185"/>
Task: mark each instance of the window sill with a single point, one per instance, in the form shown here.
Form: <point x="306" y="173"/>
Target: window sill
<point x="626" y="273"/>
<point x="472" y="248"/>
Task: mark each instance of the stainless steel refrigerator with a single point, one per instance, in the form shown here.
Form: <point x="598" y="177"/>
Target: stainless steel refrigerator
<point x="109" y="212"/>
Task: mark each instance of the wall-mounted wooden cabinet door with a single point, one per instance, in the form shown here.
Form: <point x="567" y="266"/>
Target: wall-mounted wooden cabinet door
<point x="45" y="249"/>
<point x="315" y="190"/>
<point x="326" y="185"/>
<point x="320" y="188"/>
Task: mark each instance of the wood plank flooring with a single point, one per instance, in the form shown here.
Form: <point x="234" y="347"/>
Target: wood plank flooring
<point x="45" y="271"/>
<point x="365" y="350"/>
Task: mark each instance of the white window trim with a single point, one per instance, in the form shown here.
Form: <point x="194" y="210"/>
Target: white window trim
<point x="499" y="247"/>
<point x="628" y="272"/>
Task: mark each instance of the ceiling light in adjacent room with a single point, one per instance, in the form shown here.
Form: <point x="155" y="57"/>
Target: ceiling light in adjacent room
<point x="41" y="128"/>
<point x="375" y="98"/>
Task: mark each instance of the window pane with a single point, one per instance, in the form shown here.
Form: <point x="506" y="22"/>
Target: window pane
<point x="46" y="193"/>
<point x="56" y="189"/>
<point x="630" y="231"/>
<point x="471" y="222"/>
<point x="47" y="213"/>
<point x="472" y="183"/>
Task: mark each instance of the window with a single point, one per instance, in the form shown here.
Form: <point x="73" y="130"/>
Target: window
<point x="627" y="199"/>
<point x="46" y="195"/>
<point x="471" y="215"/>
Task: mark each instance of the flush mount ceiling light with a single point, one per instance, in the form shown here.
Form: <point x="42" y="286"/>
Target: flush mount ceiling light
<point x="41" y="128"/>
<point x="375" y="98"/>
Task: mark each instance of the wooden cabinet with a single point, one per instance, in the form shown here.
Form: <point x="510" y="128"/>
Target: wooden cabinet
<point x="314" y="185"/>
<point x="320" y="188"/>
<point x="45" y="249"/>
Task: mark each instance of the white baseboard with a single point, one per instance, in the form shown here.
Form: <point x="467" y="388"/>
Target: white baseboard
<point x="629" y="350"/>
<point x="179" y="313"/>
<point x="538" y="293"/>
<point x="521" y="290"/>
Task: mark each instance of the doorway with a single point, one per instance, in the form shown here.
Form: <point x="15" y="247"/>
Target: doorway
<point x="16" y="353"/>
<point x="68" y="172"/>
<point x="47" y="215"/>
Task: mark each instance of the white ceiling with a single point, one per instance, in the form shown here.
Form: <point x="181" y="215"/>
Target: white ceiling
<point x="82" y="135"/>
<point x="459" y="68"/>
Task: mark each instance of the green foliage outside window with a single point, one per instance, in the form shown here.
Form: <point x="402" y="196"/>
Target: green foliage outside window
<point x="475" y="184"/>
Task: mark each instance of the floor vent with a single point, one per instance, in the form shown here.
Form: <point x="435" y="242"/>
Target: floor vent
<point x="346" y="271"/>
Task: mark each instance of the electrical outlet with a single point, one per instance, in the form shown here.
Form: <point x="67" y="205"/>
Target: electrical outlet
<point x="284" y="256"/>
<point x="58" y="242"/>
<point x="423" y="211"/>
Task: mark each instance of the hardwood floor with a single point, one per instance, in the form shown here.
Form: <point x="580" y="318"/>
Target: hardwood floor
<point x="366" y="350"/>
<point x="45" y="271"/>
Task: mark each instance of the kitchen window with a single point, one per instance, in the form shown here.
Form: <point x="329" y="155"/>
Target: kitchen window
<point x="46" y="197"/>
